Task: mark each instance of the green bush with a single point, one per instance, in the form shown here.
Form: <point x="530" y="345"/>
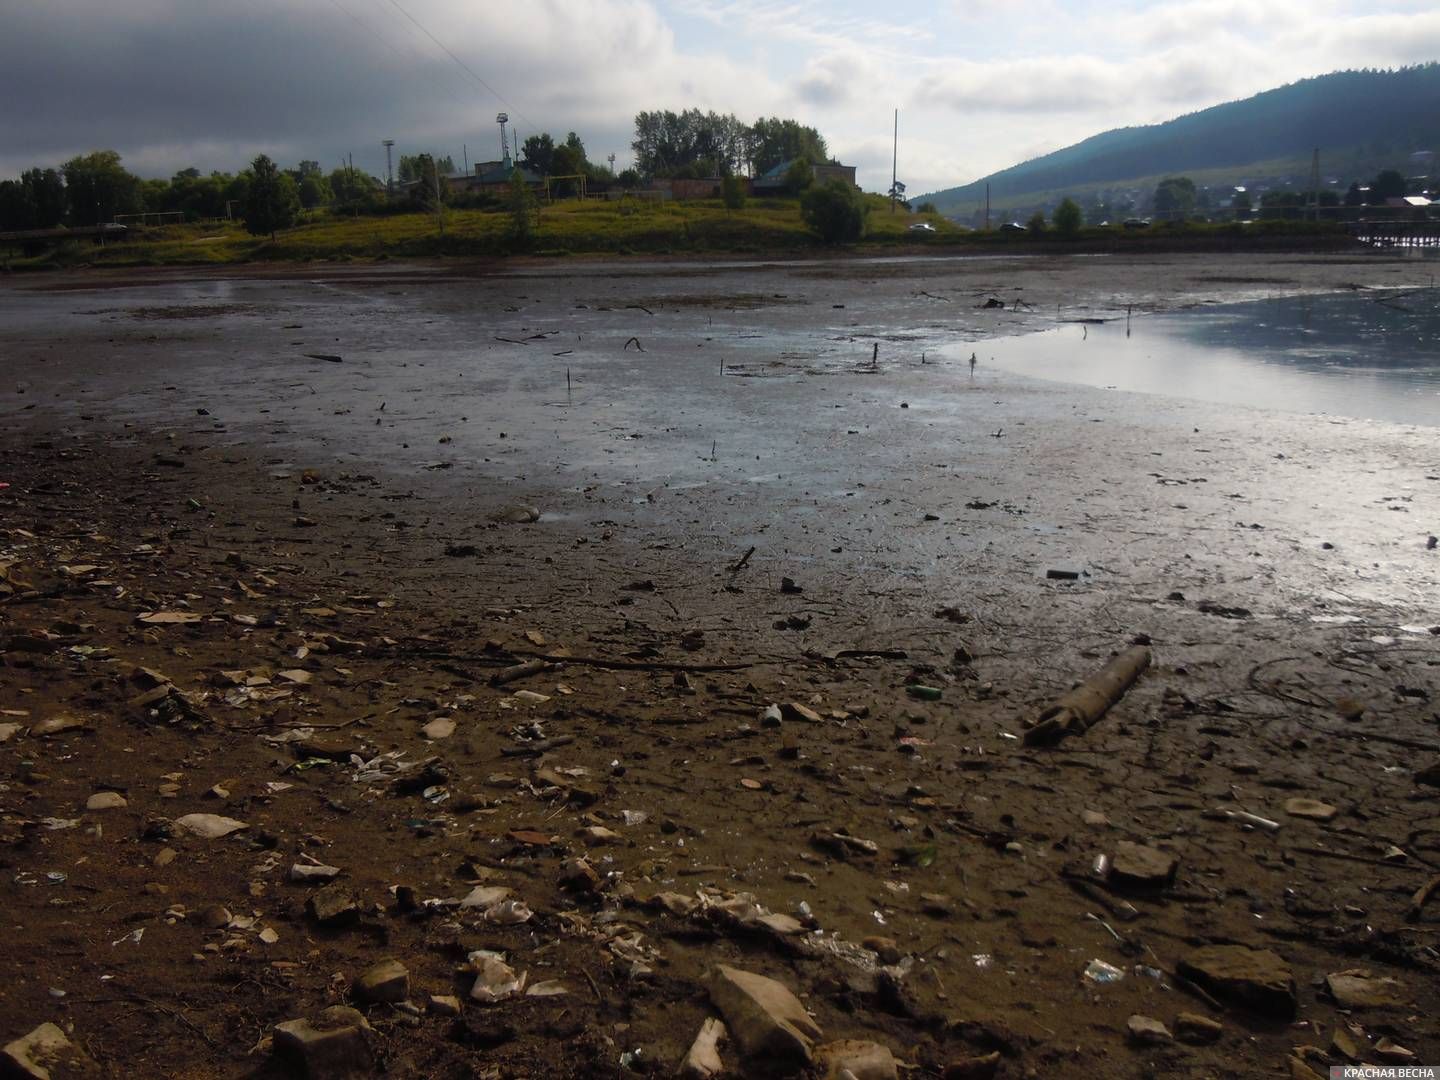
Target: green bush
<point x="835" y="211"/>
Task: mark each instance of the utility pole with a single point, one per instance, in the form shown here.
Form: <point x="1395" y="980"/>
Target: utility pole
<point x="465" y="153"/>
<point x="894" y="161"/>
<point x="1315" y="185"/>
<point x="389" y="169"/>
<point x="987" y="206"/>
<point x="439" y="211"/>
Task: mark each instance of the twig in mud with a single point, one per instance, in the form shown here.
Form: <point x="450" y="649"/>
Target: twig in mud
<point x="511" y="341"/>
<point x="537" y="747"/>
<point x="1345" y="855"/>
<point x="740" y="565"/>
<point x="636" y="341"/>
<point x="599" y="997"/>
<point x="1422" y="895"/>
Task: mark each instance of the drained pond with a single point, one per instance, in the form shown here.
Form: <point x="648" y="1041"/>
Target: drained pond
<point x="1370" y="354"/>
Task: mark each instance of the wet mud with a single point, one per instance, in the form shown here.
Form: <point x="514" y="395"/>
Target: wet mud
<point x="449" y="576"/>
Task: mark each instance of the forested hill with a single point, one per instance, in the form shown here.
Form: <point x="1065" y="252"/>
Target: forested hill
<point x="1349" y="113"/>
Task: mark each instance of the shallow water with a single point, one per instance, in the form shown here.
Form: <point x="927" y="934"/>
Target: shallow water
<point x="1373" y="355"/>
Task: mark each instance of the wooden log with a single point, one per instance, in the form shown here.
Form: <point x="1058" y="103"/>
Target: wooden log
<point x="1081" y="708"/>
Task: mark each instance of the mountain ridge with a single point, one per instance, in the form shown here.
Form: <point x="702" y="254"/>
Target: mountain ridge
<point x="1354" y="116"/>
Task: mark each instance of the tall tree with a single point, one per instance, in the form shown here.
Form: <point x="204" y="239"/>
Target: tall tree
<point x="538" y="153"/>
<point x="1175" y="198"/>
<point x="776" y="141"/>
<point x="98" y="188"/>
<point x="272" y="202"/>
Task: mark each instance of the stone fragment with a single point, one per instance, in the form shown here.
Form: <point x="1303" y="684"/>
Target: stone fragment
<point x="1095" y="819"/>
<point x="1196" y="1029"/>
<point x="334" y="906"/>
<point x="8" y="732"/>
<point x="1358" y="989"/>
<point x="1138" y="866"/>
<point x="308" y="873"/>
<point x="598" y="835"/>
<point x="57" y="725"/>
<point x="387" y="981"/>
<point x="884" y="947"/>
<point x="793" y="710"/>
<point x="209" y="826"/>
<point x="981" y="1067"/>
<point x="856" y="1058"/>
<point x="214" y="917"/>
<point x="579" y="875"/>
<point x="495" y="980"/>
<point x="484" y="896"/>
<point x="442" y="727"/>
<point x="106" y="800"/>
<point x="1258" y="979"/>
<point x="444" y="1005"/>
<point x="1310" y="808"/>
<point x="767" y="1020"/>
<point x="46" y="1053"/>
<point x="702" y="1060"/>
<point x="335" y="1044"/>
<point x="1146" y="1031"/>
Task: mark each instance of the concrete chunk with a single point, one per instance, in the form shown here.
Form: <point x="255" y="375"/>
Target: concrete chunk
<point x="766" y="1019"/>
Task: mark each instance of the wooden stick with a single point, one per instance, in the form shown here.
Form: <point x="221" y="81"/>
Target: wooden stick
<point x="1082" y="708"/>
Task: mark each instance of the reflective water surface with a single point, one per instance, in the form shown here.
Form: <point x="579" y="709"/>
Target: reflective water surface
<point x="1368" y="354"/>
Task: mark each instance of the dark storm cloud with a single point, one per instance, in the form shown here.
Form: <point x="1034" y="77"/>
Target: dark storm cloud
<point x="158" y="82"/>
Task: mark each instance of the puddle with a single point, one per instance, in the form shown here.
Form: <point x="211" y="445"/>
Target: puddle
<point x="1371" y="354"/>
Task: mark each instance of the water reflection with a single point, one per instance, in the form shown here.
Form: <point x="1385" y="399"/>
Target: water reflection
<point x="1367" y="354"/>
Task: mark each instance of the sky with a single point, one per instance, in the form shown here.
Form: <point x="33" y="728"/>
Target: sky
<point x="979" y="84"/>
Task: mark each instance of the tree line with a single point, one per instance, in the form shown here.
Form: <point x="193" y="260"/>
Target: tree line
<point x="95" y="188"/>
<point x="699" y="145"/>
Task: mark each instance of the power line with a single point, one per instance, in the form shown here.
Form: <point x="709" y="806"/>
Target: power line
<point x="464" y="66"/>
<point x="381" y="39"/>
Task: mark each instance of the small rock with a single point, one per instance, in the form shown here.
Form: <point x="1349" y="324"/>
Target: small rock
<point x="1147" y="1031"/>
<point x="579" y="875"/>
<point x="484" y="896"/>
<point x="444" y="1005"/>
<point x="598" y="835"/>
<point x="1345" y="1042"/>
<point x="214" y="917"/>
<point x="516" y="515"/>
<point x="1358" y="989"/>
<point x="793" y="710"/>
<point x="1197" y="1029"/>
<point x="1389" y="1050"/>
<point x="885" y="948"/>
<point x="209" y="826"/>
<point x="495" y="980"/>
<point x="1258" y="979"/>
<point x="334" y="906"/>
<point x="387" y="981"/>
<point x="57" y="725"/>
<point x="1310" y="808"/>
<point x="8" y="732"/>
<point x="106" y="800"/>
<point x="1137" y="866"/>
<point x="336" y="1044"/>
<point x="982" y="1067"/>
<point x="1094" y="819"/>
<point x="44" y="1053"/>
<point x="442" y="727"/>
<point x="305" y="873"/>
<point x="269" y="936"/>
<point x="856" y="1058"/>
<point x="703" y="1058"/>
<point x="767" y="1020"/>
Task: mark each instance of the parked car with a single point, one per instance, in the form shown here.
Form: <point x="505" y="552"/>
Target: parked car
<point x="1136" y="223"/>
<point x="1013" y="226"/>
<point x="922" y="226"/>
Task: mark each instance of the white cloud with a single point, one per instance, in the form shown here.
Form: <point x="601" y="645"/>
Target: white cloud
<point x="981" y="84"/>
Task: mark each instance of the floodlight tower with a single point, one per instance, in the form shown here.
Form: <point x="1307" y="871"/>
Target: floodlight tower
<point x="502" y="119"/>
<point x="389" y="145"/>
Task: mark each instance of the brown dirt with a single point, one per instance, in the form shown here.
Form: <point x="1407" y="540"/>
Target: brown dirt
<point x="338" y="520"/>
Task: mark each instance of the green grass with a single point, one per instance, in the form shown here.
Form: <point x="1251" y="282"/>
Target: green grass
<point x="767" y="226"/>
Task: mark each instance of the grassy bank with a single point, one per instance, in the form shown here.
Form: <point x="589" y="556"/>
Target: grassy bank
<point x="769" y="226"/>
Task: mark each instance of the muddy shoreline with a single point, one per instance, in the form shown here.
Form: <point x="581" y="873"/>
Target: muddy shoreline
<point x="349" y="539"/>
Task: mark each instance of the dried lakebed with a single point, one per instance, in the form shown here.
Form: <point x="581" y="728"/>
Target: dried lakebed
<point x="306" y="711"/>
